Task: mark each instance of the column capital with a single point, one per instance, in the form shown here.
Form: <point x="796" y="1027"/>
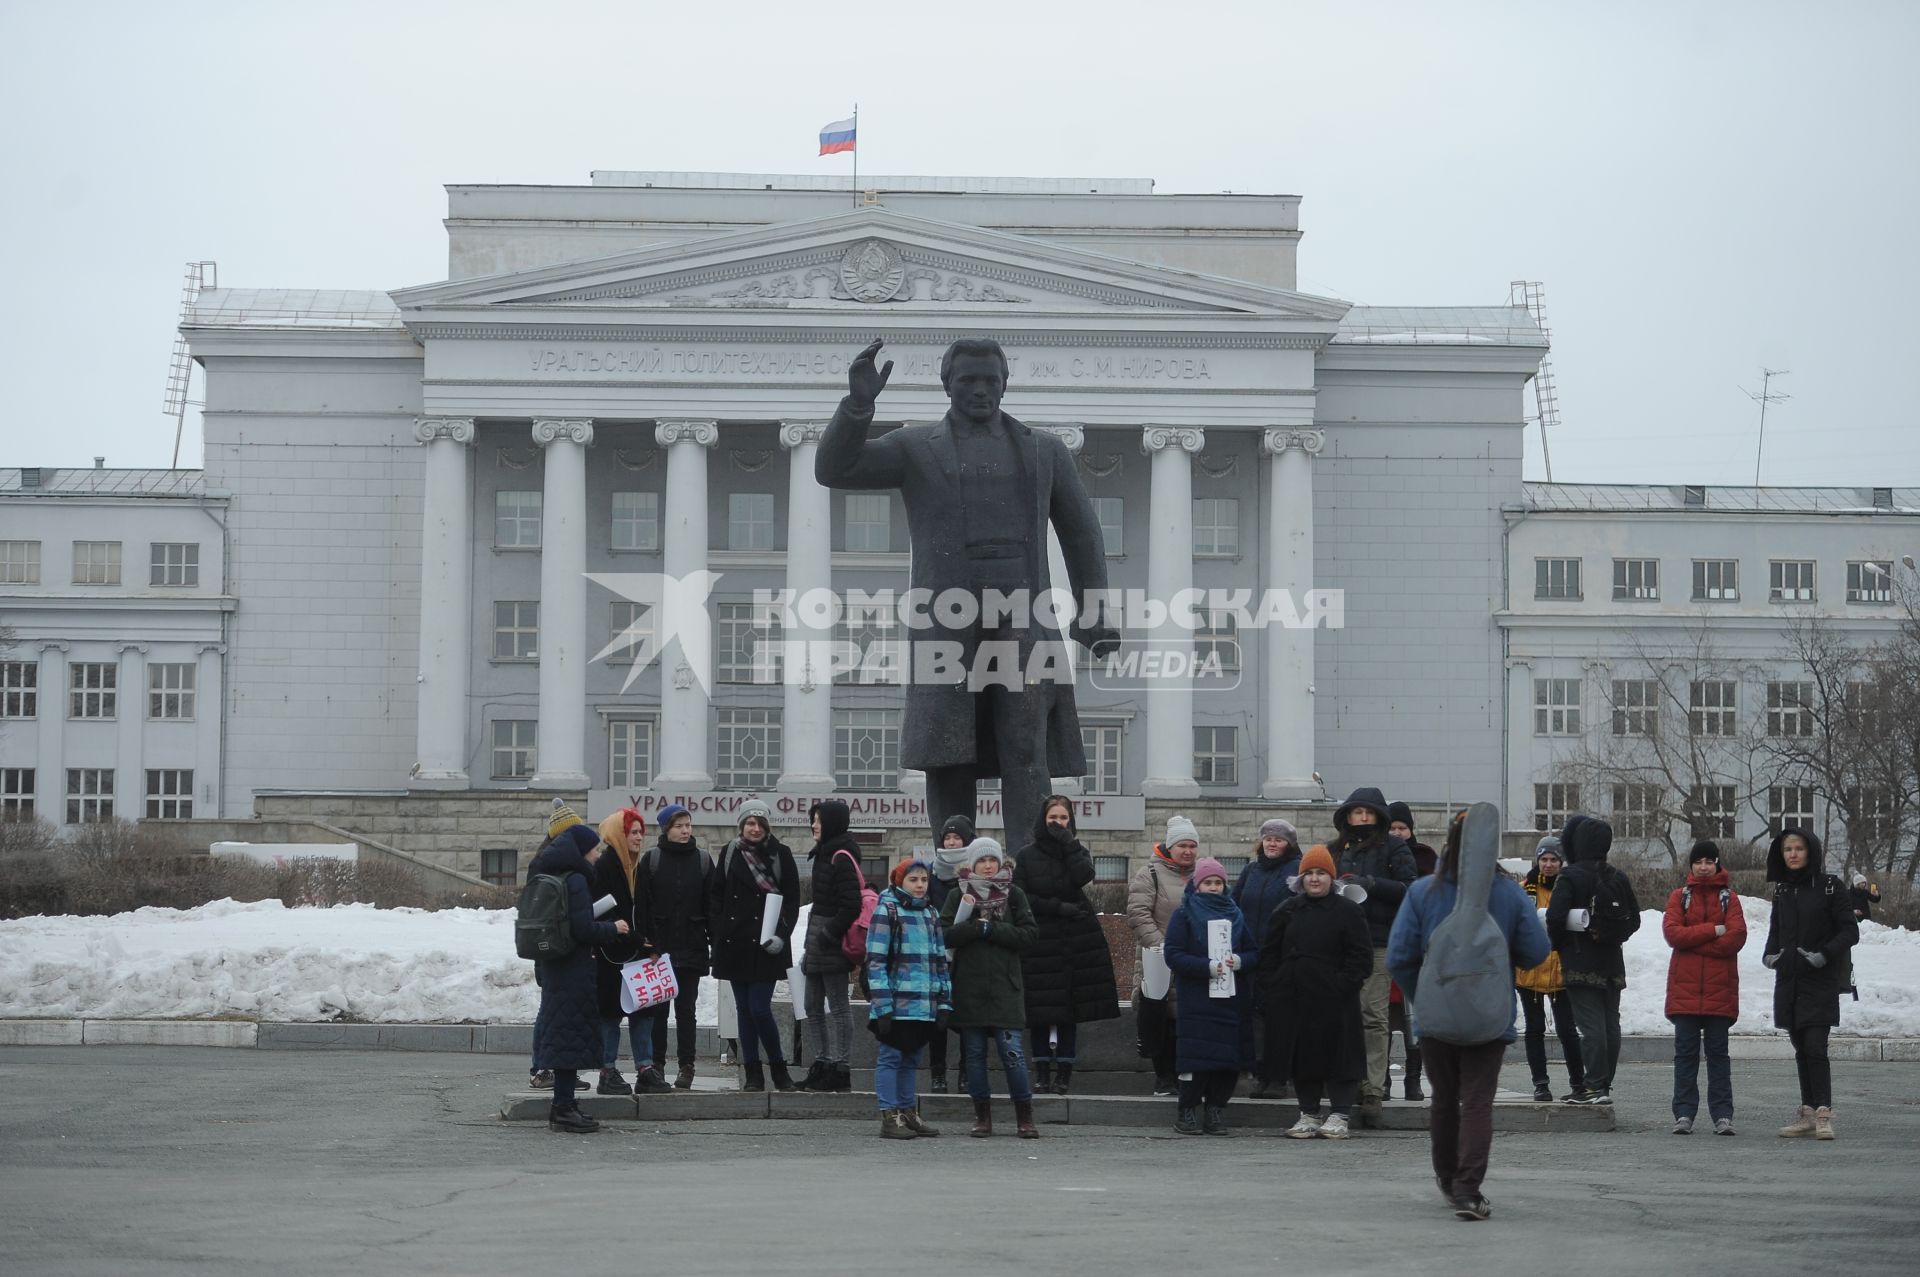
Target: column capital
<point x="56" y="645"/>
<point x="215" y="649"/>
<point x="457" y="429"/>
<point x="1276" y="441"/>
<point x="124" y="648"/>
<point x="1075" y="437"/>
<point x="548" y="430"/>
<point x="1159" y="438"/>
<point x="797" y="434"/>
<point x="704" y="433"/>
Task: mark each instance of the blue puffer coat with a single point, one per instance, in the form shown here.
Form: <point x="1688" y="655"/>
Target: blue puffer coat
<point x="1213" y="1033"/>
<point x="566" y="1033"/>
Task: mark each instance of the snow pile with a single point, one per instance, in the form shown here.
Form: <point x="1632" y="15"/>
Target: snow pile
<point x="265" y="961"/>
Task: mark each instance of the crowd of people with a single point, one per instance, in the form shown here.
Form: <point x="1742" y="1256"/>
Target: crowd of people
<point x="1294" y="974"/>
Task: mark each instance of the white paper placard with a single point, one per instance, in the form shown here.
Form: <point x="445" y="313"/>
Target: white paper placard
<point x="770" y="916"/>
<point x="1155" y="977"/>
<point x="1219" y="947"/>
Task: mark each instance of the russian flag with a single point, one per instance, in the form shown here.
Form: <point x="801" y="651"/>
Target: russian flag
<point x="836" y="137"/>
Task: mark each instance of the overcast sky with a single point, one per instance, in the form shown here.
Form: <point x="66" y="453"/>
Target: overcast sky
<point x="1704" y="188"/>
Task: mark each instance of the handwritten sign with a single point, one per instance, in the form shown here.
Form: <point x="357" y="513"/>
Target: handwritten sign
<point x="647" y="983"/>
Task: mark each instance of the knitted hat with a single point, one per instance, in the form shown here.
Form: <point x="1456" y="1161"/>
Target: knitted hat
<point x="751" y="808"/>
<point x="982" y="847"/>
<point x="1319" y="857"/>
<point x="670" y="813"/>
<point x="1705" y="849"/>
<point x="563" y="818"/>
<point x="1859" y="879"/>
<point x="898" y="875"/>
<point x="957" y="825"/>
<point x="1400" y="812"/>
<point x="1550" y="845"/>
<point x="1207" y="867"/>
<point x="1180" y="829"/>
<point x="1278" y="828"/>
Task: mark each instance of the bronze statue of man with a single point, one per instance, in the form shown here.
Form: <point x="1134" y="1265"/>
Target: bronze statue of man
<point x="981" y="490"/>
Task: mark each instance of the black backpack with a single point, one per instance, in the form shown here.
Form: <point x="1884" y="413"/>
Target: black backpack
<point x="1843" y="965"/>
<point x="542" y="931"/>
<point x="1612" y="916"/>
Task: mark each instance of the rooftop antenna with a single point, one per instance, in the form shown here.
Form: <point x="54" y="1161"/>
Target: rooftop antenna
<point x="1532" y="294"/>
<point x="1764" y="396"/>
<point x="200" y="275"/>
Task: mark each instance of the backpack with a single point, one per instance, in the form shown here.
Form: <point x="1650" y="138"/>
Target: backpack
<point x="1611" y="917"/>
<point x="1843" y="965"/>
<point x="706" y="861"/>
<point x="853" y="945"/>
<point x="542" y="931"/>
<point x="1465" y="993"/>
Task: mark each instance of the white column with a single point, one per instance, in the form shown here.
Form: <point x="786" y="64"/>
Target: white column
<point x="50" y="760"/>
<point x="1075" y="438"/>
<point x="1169" y="575"/>
<point x="446" y="603"/>
<point x="562" y="758"/>
<point x="130" y="720"/>
<point x="683" y="701"/>
<point x="208" y="709"/>
<point x="1289" y="653"/>
<point x="806" y="722"/>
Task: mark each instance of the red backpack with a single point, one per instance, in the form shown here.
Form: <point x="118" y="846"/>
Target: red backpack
<point x="854" y="944"/>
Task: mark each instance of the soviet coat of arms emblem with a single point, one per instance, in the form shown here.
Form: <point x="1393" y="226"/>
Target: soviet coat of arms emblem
<point x="872" y="271"/>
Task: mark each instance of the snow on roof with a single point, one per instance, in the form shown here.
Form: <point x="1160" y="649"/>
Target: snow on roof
<point x="1440" y="326"/>
<point x="85" y="481"/>
<point x="293" y="308"/>
<point x="1589" y="497"/>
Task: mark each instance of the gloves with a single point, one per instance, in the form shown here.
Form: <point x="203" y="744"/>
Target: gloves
<point x="1070" y="910"/>
<point x="1217" y="967"/>
<point x="1770" y="961"/>
<point x="884" y="1025"/>
<point x="1363" y="881"/>
<point x="1814" y="957"/>
<point x="776" y="946"/>
<point x="1232" y="961"/>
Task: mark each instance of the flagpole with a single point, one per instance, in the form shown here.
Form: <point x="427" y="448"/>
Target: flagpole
<point x="856" y="155"/>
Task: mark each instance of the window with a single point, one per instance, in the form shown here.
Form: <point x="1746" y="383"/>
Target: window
<point x="1636" y="811"/>
<point x="869" y="522"/>
<point x="500" y="866"/>
<point x="629" y="753"/>
<point x="1214" y="638"/>
<point x="1636" y="580"/>
<point x="1110" y="868"/>
<point x="1556" y="579"/>
<point x="1554" y="805"/>
<point x="1866" y="709"/>
<point x="515" y="748"/>
<point x="1110" y="511"/>
<point x="1716" y="580"/>
<point x="1871" y="824"/>
<point x="1712" y="810"/>
<point x="96" y="563"/>
<point x="19" y="689"/>
<point x="1711" y="707"/>
<point x="170" y="690"/>
<point x="1216" y="526"/>
<point x="516" y="630"/>
<point x="169" y="794"/>
<point x="750" y="521"/>
<point x="1870" y="582"/>
<point x="19" y="563"/>
<point x="1215" y="759"/>
<point x="92" y="689"/>
<point x="174" y="564"/>
<point x="1789" y="709"/>
<point x="866" y="749"/>
<point x="749" y="749"/>
<point x="1101" y="741"/>
<point x="516" y="520"/>
<point x="16" y="793"/>
<point x="636" y="521"/>
<point x="1790" y="581"/>
<point x="1789" y="805"/>
<point x="630" y="631"/>
<point x="1636" y="704"/>
<point x="868" y="647"/>
<point x="89" y="795"/>
<point x="749" y="637"/>
<point x="1556" y="707"/>
<point x="1233" y="865"/>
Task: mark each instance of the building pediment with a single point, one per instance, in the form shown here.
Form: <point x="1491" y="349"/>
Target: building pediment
<point x="864" y="260"/>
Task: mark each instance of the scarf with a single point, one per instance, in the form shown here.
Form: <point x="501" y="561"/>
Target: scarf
<point x="755" y="854"/>
<point x="990" y="894"/>
<point x="950" y="862"/>
<point x="617" y="832"/>
<point x="1205" y="906"/>
<point x="1160" y="854"/>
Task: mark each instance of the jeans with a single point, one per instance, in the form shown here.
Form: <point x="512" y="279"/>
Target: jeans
<point x="1535" y="1006"/>
<point x="1340" y="1095"/>
<point x="973" y="1043"/>
<point x="894" y="1077"/>
<point x="1810" y="1061"/>
<point x="1212" y="1087"/>
<point x="686" y="1033"/>
<point x="1041" y="1044"/>
<point x="828" y="1007"/>
<point x="1374" y="996"/>
<point x="1597" y="1012"/>
<point x="1687" y="1031"/>
<point x="758" y="1029"/>
<point x="639" y="1031"/>
<point x="1463" y="1079"/>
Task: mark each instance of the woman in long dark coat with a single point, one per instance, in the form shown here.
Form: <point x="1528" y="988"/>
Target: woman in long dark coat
<point x="754" y="866"/>
<point x="837" y="883"/>
<point x="566" y="1032"/>
<point x="1316" y="957"/>
<point x="1809" y="940"/>
<point x="1069" y="970"/>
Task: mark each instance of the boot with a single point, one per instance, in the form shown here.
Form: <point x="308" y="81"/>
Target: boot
<point x="1042" y="1076"/>
<point x="570" y="1120"/>
<point x="816" y="1074"/>
<point x="1802" y="1123"/>
<point x="1023" y="1120"/>
<point x="913" y="1122"/>
<point x="1413" y="1075"/>
<point x="649" y="1081"/>
<point x="982" y="1119"/>
<point x="1188" y="1123"/>
<point x="683" y="1080"/>
<point x="1823" y="1123"/>
<point x="782" y="1080"/>
<point x="1062" y="1078"/>
<point x="842" y="1079"/>
<point x="892" y="1128"/>
<point x="1215" y="1119"/>
<point x="756" y="1080"/>
<point x="1542" y="1093"/>
<point x="611" y="1083"/>
<point x="940" y="1086"/>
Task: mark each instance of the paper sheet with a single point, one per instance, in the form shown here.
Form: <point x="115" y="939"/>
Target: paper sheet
<point x="770" y="917"/>
<point x="1219" y="947"/>
<point x="1155" y="977"/>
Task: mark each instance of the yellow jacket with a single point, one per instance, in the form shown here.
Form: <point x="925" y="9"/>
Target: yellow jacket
<point x="1544" y="978"/>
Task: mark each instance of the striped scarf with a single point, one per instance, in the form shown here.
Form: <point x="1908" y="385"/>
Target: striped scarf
<point x="990" y="893"/>
<point x="755" y="856"/>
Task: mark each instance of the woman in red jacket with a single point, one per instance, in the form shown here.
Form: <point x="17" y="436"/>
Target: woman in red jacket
<point x="1706" y="928"/>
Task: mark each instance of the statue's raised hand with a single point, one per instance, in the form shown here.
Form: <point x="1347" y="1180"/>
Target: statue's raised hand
<point x="864" y="381"/>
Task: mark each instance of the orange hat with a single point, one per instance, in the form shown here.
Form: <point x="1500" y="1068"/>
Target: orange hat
<point x="1318" y="857"/>
<point x="898" y="876"/>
